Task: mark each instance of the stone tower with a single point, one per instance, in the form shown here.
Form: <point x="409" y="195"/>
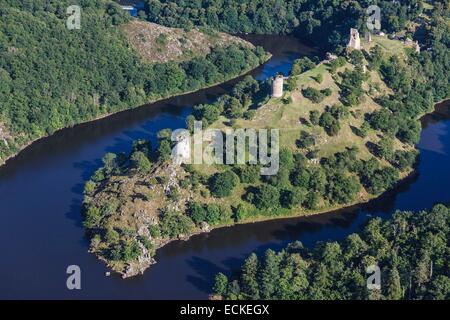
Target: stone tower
<point x="277" y="87"/>
<point x="355" y="41"/>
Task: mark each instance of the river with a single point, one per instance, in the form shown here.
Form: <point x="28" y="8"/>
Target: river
<point x="41" y="195"/>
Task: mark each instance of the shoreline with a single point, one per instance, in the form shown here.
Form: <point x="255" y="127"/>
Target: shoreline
<point x="299" y="214"/>
<point x="149" y="103"/>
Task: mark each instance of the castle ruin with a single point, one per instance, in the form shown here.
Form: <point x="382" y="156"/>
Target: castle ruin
<point x="355" y="41"/>
<point x="277" y="87"/>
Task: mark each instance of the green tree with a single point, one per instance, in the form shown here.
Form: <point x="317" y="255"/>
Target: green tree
<point x="197" y="212"/>
<point x="110" y="162"/>
<point x="220" y="284"/>
<point x="140" y="162"/>
<point x="173" y="225"/>
<point x="302" y="65"/>
<point x="394" y="288"/>
<point x="249" y="275"/>
<point x="222" y="184"/>
<point x="89" y="188"/>
<point x="164" y="150"/>
<point x="270" y="275"/>
<point x="385" y="148"/>
<point x="92" y="218"/>
<point x="301" y="178"/>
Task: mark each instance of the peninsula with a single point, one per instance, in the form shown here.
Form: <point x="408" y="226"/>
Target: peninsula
<point x="347" y="134"/>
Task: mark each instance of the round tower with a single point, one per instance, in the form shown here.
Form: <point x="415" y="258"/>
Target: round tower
<point x="277" y="87"/>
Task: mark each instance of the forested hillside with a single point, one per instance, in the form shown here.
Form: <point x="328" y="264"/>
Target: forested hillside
<point x="348" y="130"/>
<point x="52" y="77"/>
<point x="346" y="149"/>
<point x="411" y="250"/>
<point x="327" y="22"/>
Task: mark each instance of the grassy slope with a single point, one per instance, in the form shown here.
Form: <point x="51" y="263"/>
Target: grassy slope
<point x="277" y="114"/>
<point x="141" y="196"/>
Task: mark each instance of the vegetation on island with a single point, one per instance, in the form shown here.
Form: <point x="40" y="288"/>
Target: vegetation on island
<point x="348" y="133"/>
<point x="52" y="77"/>
<point x="335" y="151"/>
<point x="410" y="250"/>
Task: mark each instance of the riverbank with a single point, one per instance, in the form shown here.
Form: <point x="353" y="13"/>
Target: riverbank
<point x="52" y="173"/>
<point x="293" y="216"/>
<point x="165" y="203"/>
<point x="162" y="99"/>
<point x="406" y="180"/>
<point x="445" y="104"/>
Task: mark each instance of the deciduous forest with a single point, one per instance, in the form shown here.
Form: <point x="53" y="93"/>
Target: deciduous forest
<point x="52" y="77"/>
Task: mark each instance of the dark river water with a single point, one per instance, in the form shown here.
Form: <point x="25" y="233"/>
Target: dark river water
<point x="41" y="195"/>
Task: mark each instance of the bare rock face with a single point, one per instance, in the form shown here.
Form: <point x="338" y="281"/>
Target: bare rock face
<point x="143" y="231"/>
<point x="172" y="182"/>
<point x="138" y="267"/>
<point x="3" y="136"/>
<point x="205" y="227"/>
<point x="157" y="43"/>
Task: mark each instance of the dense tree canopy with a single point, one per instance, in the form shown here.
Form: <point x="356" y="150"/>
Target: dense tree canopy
<point x="308" y="178"/>
<point x="410" y="249"/>
<point x="52" y="77"/>
<point x="327" y="22"/>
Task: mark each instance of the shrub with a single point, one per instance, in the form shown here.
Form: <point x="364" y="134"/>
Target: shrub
<point x="305" y="140"/>
<point x="173" y="225"/>
<point x="314" y="117"/>
<point x="314" y="95"/>
<point x="222" y="184"/>
<point x="267" y="197"/>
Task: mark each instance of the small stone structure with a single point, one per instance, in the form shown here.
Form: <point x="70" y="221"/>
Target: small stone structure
<point x="277" y="87"/>
<point x="355" y="41"/>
